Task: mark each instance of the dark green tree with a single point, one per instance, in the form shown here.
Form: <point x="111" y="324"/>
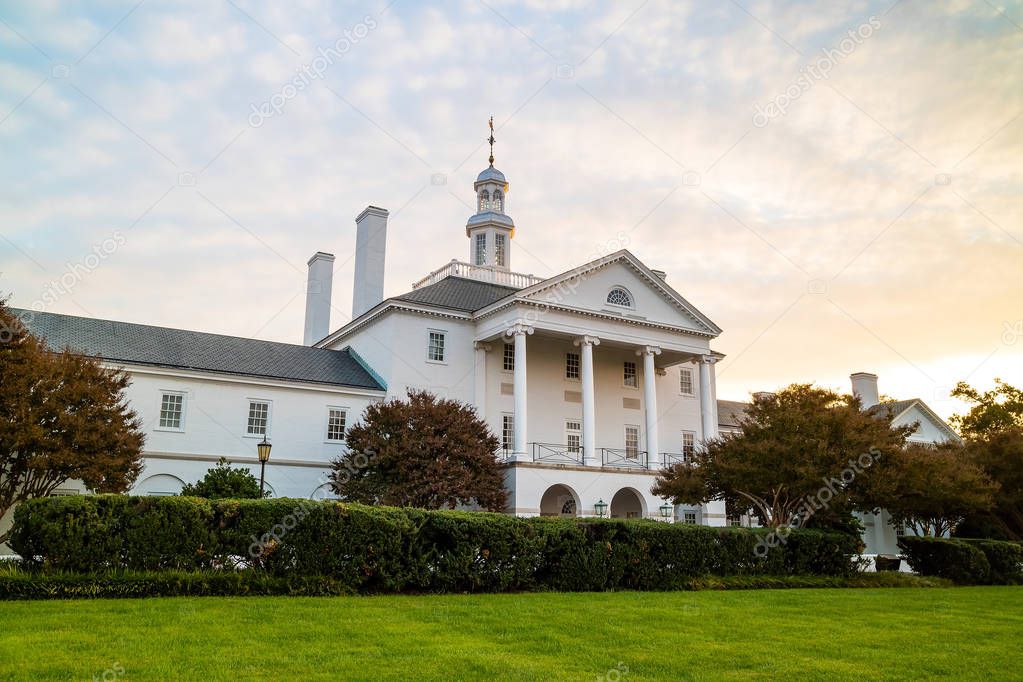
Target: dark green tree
<point x="225" y="482"/>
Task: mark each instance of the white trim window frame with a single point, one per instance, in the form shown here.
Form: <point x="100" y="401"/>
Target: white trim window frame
<point x="500" y="250"/>
<point x="573" y="366"/>
<point x="436" y="346"/>
<point x="574" y="434"/>
<point x="632" y="441"/>
<point x="507" y="431"/>
<point x="629" y="377"/>
<point x="254" y="416"/>
<point x="686" y="382"/>
<point x="688" y="445"/>
<point x="508" y="358"/>
<point x="334" y="423"/>
<point x="171" y="408"/>
<point x="480" y="253"/>
<point x="623" y="298"/>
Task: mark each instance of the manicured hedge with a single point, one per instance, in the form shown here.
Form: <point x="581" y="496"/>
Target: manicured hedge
<point x="379" y="549"/>
<point x="18" y="584"/>
<point x="968" y="562"/>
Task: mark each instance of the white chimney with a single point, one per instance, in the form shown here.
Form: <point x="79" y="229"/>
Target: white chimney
<point x="370" y="247"/>
<point x="317" y="297"/>
<point x="864" y="387"/>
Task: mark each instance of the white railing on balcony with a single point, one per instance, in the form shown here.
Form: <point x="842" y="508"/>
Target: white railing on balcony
<point x="483" y="273"/>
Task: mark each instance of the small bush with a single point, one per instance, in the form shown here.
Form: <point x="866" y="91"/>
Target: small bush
<point x="955" y="560"/>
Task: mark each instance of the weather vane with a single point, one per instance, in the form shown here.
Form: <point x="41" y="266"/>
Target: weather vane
<point x="491" y="140"/>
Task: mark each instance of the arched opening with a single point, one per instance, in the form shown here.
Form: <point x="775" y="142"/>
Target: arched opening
<point x="626" y="504"/>
<point x="559" y="500"/>
<point x="161" y="485"/>
<point x="484" y="201"/>
<point x="498" y="201"/>
<point x="324" y="492"/>
<point x="619" y="296"/>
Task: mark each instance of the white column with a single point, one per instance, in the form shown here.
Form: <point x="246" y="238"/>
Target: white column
<point x="586" y="345"/>
<point x="650" y="403"/>
<point x="714" y="512"/>
<point x="708" y="405"/>
<point x="519" y="332"/>
<point x="480" y="379"/>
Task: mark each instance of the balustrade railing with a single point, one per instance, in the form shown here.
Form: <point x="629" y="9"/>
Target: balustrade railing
<point x="557" y="454"/>
<point x="483" y="273"/>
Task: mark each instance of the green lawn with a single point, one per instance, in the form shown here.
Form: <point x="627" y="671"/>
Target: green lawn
<point x="857" y="634"/>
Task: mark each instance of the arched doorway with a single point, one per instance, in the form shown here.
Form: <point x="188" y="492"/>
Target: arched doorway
<point x="559" y="500"/>
<point x="626" y="504"/>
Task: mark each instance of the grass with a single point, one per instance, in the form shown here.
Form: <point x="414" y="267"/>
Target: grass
<point x="964" y="633"/>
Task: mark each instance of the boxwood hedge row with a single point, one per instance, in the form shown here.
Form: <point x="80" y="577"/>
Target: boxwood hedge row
<point x="965" y="561"/>
<point x="381" y="549"/>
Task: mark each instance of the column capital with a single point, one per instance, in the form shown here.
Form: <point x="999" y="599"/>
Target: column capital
<point x="648" y="350"/>
<point x="479" y="345"/>
<point x="586" y="341"/>
<point x="708" y="359"/>
<point x="518" y="329"/>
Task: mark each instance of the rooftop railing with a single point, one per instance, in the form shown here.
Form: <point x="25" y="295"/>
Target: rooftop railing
<point x="482" y="273"/>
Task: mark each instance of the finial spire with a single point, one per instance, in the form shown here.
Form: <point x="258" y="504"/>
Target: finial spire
<point x="491" y="140"/>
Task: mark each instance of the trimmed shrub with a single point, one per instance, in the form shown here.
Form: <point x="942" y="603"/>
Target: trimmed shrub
<point x="953" y="559"/>
<point x="1005" y="559"/>
<point x="381" y="549"/>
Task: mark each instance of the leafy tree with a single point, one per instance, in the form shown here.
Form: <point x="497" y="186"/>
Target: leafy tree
<point x="932" y="489"/>
<point x="800" y="452"/>
<point x="224" y="482"/>
<point x="424" y="452"/>
<point x="994" y="410"/>
<point x="1000" y="455"/>
<point x="993" y="430"/>
<point x="62" y="417"/>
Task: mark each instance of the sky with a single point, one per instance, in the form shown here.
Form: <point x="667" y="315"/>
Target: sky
<point x="839" y="186"/>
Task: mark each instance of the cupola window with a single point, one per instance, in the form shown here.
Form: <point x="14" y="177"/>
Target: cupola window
<point x="484" y="201"/>
<point x="498" y="201"/>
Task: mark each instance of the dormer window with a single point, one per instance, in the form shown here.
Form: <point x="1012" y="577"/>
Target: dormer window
<point x="498" y="201"/>
<point x="484" y="201"/>
<point x="619" y="297"/>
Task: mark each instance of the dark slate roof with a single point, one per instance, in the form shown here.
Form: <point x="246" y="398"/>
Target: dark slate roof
<point x="458" y="293"/>
<point x="730" y="411"/>
<point x="140" y="344"/>
<point x="892" y="409"/>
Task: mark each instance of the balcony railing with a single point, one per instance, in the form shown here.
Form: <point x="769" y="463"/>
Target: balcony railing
<point x="673" y="458"/>
<point x="557" y="454"/>
<point x="630" y="459"/>
<point x="483" y="273"/>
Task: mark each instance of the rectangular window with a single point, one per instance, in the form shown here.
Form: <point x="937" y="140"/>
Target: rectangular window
<point x="734" y="519"/>
<point x="574" y="435"/>
<point x="689" y="517"/>
<point x="435" y="350"/>
<point x="900" y="530"/>
<point x="509" y="357"/>
<point x="499" y="249"/>
<point x="571" y="365"/>
<point x="685" y="381"/>
<point x="171" y="409"/>
<point x="337" y="422"/>
<point x="481" y="249"/>
<point x="259" y="417"/>
<point x="630" y="374"/>
<point x="632" y="442"/>
<point x="508" y="432"/>
<point x="688" y="445"/>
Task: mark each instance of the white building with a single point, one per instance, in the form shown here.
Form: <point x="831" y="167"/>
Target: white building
<point x="593" y="379"/>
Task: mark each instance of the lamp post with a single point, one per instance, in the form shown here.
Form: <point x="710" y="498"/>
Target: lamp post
<point x="600" y="508"/>
<point x="666" y="510"/>
<point x="263" y="450"/>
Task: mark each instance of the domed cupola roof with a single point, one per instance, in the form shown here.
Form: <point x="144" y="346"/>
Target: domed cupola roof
<point x="491" y="174"/>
